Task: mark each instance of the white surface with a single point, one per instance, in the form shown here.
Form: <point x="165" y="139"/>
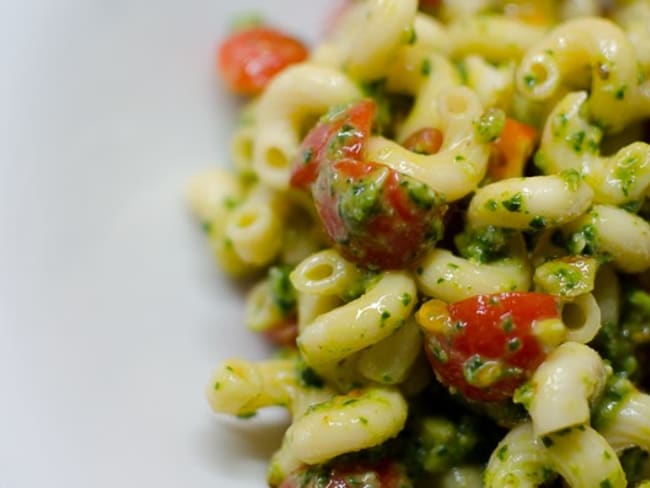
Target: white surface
<point x="111" y="312"/>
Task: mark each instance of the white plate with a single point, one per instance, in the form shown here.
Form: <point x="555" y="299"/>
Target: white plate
<point x="111" y="312"/>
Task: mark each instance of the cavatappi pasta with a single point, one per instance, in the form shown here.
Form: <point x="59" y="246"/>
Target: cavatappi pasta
<point x="442" y="217"/>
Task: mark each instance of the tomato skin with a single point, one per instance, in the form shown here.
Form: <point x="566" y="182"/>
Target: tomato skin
<point x="494" y="330"/>
<point x="376" y="216"/>
<point x="283" y="334"/>
<point x="511" y="150"/>
<point x="385" y="474"/>
<point x="424" y="141"/>
<point x="337" y="135"/>
<point x="249" y="59"/>
<point x="430" y="6"/>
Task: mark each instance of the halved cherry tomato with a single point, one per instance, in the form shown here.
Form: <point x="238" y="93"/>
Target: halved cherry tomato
<point x="511" y="150"/>
<point x="250" y="58"/>
<point x="385" y="474"/>
<point x="375" y="215"/>
<point x="339" y="134"/>
<point x="424" y="141"/>
<point x="485" y="346"/>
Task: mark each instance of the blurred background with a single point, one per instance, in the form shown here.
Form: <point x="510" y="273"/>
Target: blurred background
<point x="111" y="311"/>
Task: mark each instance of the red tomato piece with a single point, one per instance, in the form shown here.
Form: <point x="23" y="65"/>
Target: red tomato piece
<point x="385" y="474"/>
<point x="375" y="215"/>
<point x="430" y="6"/>
<point x="424" y="141"/>
<point x="484" y="346"/>
<point x="511" y="150"/>
<point x="339" y="134"/>
<point x="250" y="58"/>
<point x="283" y="334"/>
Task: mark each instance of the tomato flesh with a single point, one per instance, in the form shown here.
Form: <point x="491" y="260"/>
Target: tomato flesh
<point x="375" y="215"/>
<point x="283" y="334"/>
<point x="424" y="141"/>
<point x="338" y="135"/>
<point x="484" y="346"/>
<point x="511" y="150"/>
<point x="429" y="6"/>
<point x="249" y="59"/>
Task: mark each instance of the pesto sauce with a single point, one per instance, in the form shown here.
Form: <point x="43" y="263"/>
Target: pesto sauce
<point x="572" y="179"/>
<point x="441" y="443"/>
<point x="617" y="390"/>
<point x="483" y="244"/>
<point x="490" y="125"/>
<point x="359" y="202"/>
<point x="283" y="294"/>
<point x="584" y="241"/>
<point x="514" y="203"/>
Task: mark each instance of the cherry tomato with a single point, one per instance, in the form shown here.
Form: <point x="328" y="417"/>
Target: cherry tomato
<point x="385" y="474"/>
<point x="484" y="346"/>
<point x="250" y="58"/>
<point x="283" y="334"/>
<point x="511" y="150"/>
<point x="375" y="215"/>
<point x="424" y="141"/>
<point x="339" y="134"/>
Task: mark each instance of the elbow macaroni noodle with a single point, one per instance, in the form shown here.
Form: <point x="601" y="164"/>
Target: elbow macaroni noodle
<point x="355" y="378"/>
<point x="562" y="387"/>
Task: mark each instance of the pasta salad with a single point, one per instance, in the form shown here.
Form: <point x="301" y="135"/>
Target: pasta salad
<point x="444" y="210"/>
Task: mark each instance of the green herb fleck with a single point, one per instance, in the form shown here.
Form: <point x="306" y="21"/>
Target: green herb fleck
<point x="530" y="80"/>
<point x="461" y="67"/>
<point x="308" y="377"/>
<point x="307" y="155"/>
<point x="620" y="93"/>
<point x="437" y="351"/>
<point x="626" y="172"/>
<point x="507" y="324"/>
<point x="246" y="415"/>
<point x="421" y="194"/>
<point x="571" y="178"/>
<point x="502" y="452"/>
<point x="491" y="205"/>
<point x="514" y="203"/>
<point x="537" y="223"/>
<point x="283" y="294"/>
<point x="585" y="241"/>
<point x="425" y="68"/>
<point x="577" y="139"/>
